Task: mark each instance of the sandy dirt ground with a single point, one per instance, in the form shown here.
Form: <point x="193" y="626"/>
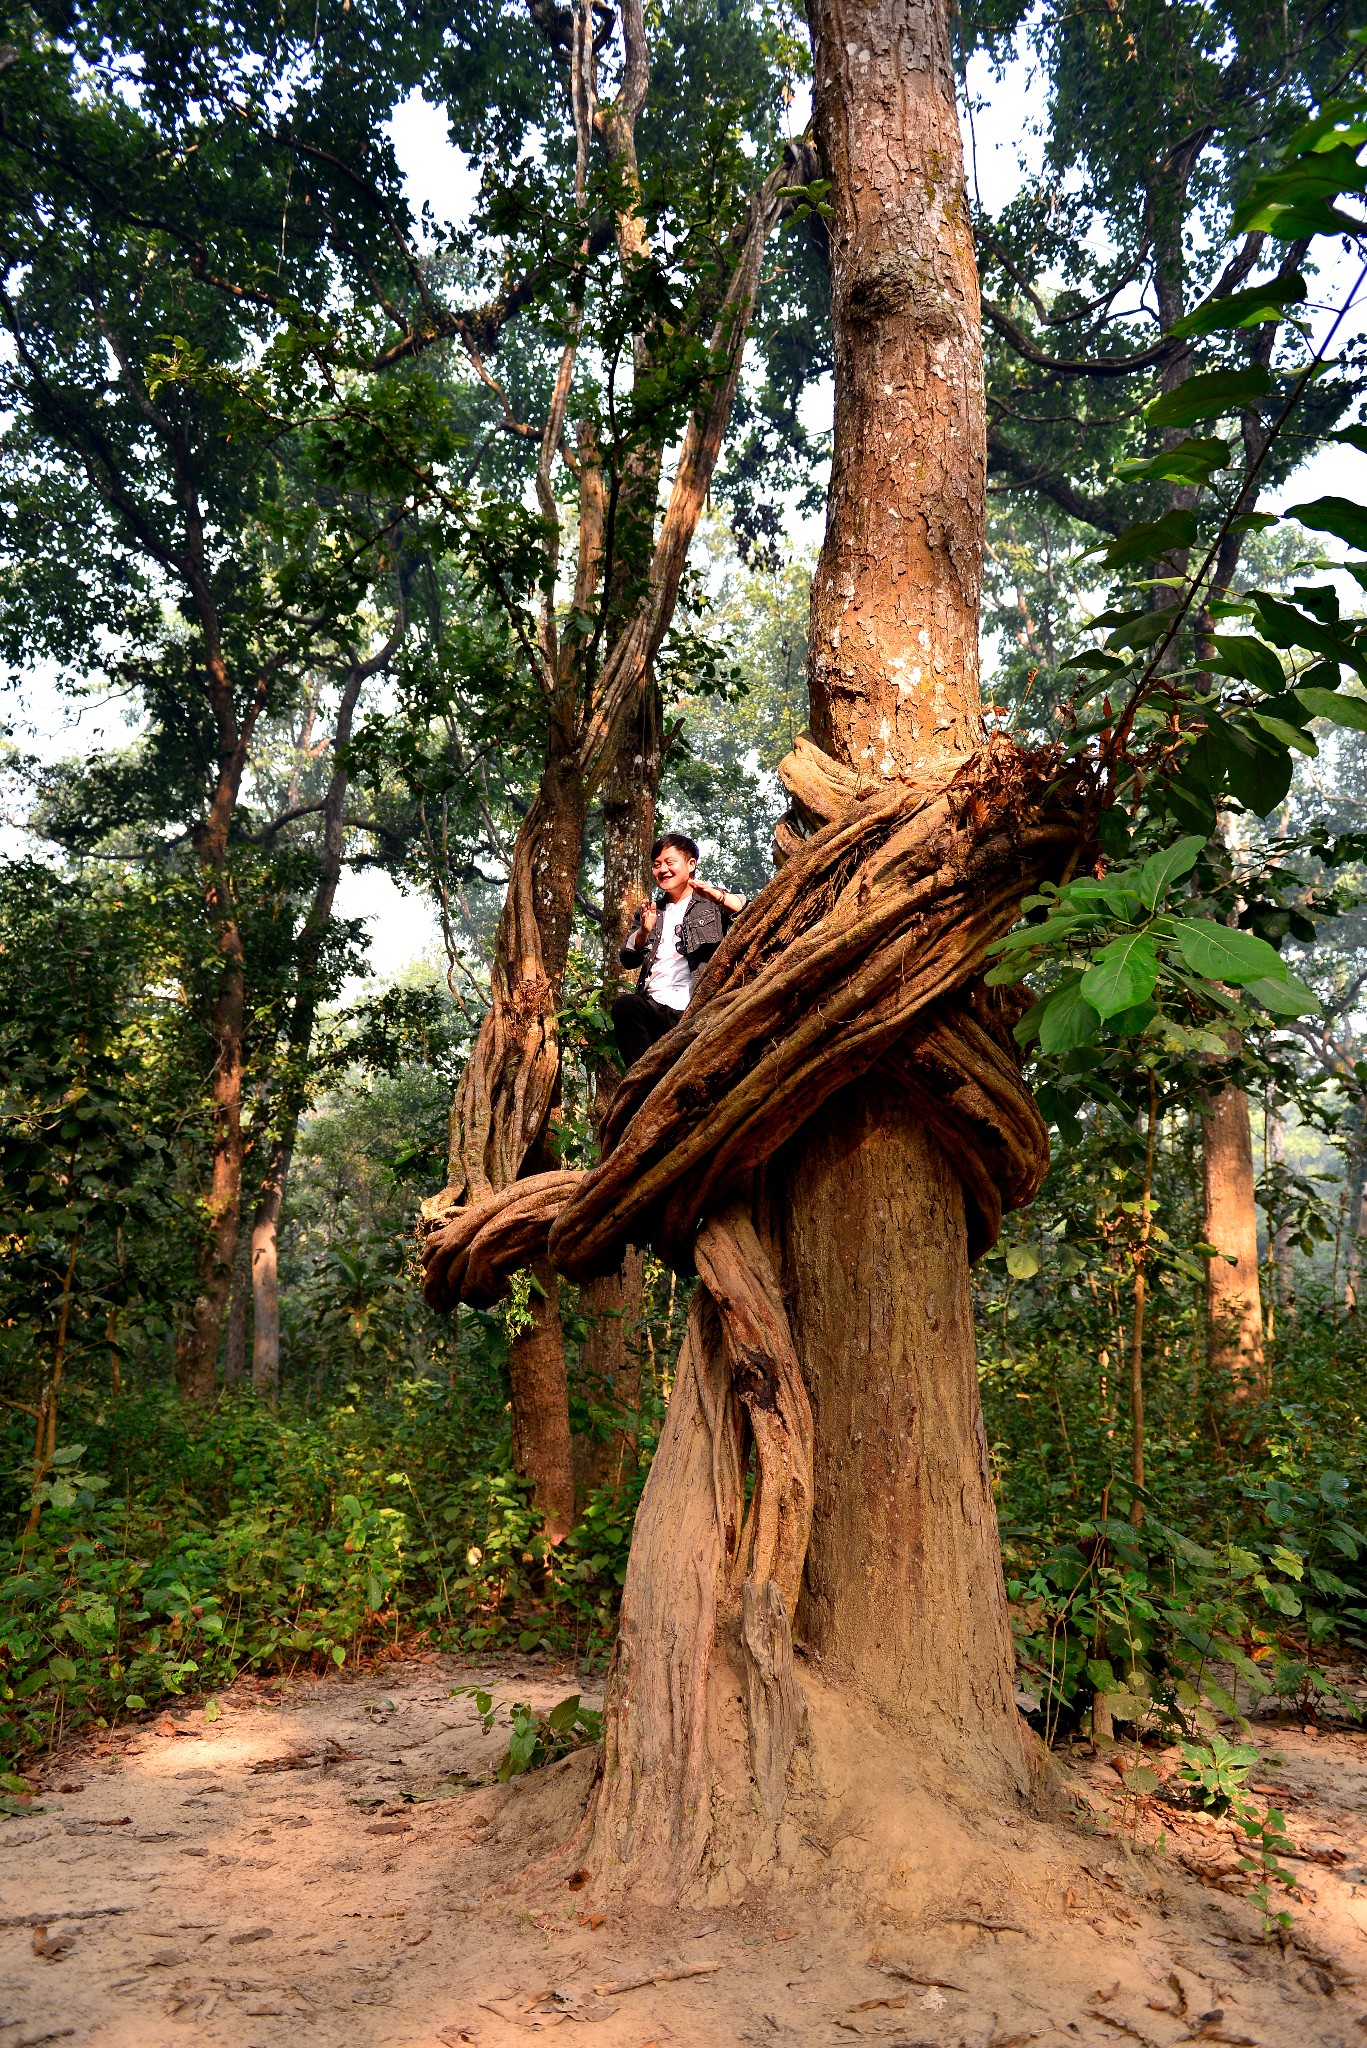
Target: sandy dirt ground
<point x="311" y="1868"/>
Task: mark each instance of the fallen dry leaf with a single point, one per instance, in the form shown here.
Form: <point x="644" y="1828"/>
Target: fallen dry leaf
<point x="918" y="1977"/>
<point x="50" y="1946"/>
<point x="591" y="1919"/>
<point x="389" y="1827"/>
<point x="250" y="1934"/>
<point x="664" y="1975"/>
<point x="893" y="2004"/>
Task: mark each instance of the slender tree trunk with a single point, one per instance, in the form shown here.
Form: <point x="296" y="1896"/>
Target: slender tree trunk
<point x="542" y="1451"/>
<point x="1234" y="1315"/>
<point x="291" y="1092"/>
<point x="197" y="1351"/>
<point x="265" y="1257"/>
<point x="610" y="1361"/>
<point x="1353" y="1211"/>
<point x="239" y="1310"/>
<point x="1141" y="1286"/>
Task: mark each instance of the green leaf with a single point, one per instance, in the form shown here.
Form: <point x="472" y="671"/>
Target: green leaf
<point x="62" y="1670"/>
<point x="136" y="1703"/>
<point x="1162" y="869"/>
<point x="1285" y="735"/>
<point x="1207" y="395"/>
<point x="1022" y="1262"/>
<point x="1242" y="309"/>
<point x="1068" y="1021"/>
<point x="1123" y="974"/>
<point x="1093" y="657"/>
<point x="1190" y="462"/>
<point x="1287" y="627"/>
<point x="1289" y="998"/>
<point x="1219" y="952"/>
<point x="1149" y="542"/>
<point x="1251" y="660"/>
<point x="1143" y="1779"/>
<point x="1335" y="705"/>
<point x="1339" y="516"/>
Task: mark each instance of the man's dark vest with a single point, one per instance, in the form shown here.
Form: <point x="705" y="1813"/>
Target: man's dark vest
<point x="701" y="930"/>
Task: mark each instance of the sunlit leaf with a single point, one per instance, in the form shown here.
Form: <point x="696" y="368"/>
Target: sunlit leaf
<point x="1190" y="462"/>
<point x="1162" y="869"/>
<point x="1339" y="516"/>
<point x="1123" y="974"/>
<point x="1220" y="952"/>
<point x="1022" y="1262"/>
<point x="1284" y="734"/>
<point x="1288" y="998"/>
<point x="1335" y="705"/>
<point x="1068" y="1020"/>
<point x="1243" y="309"/>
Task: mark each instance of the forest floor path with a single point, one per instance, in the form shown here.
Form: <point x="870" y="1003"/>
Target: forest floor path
<point x="308" y="1868"/>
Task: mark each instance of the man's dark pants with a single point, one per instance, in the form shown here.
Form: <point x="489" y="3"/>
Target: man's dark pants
<point x="637" y="1021"/>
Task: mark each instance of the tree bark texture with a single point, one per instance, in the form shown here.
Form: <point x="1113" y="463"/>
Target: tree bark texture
<point x="884" y="1539"/>
<point x="895" y="601"/>
<point x="903" y="1597"/>
<point x="1234" y="1315"/>
<point x="542" y="1453"/>
<point x="838" y="1119"/>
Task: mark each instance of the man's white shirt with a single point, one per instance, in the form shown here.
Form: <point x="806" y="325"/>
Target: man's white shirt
<point x="670" y="981"/>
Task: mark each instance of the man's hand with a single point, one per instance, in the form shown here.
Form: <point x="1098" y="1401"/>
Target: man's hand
<point x="727" y="898"/>
<point x="647" y="925"/>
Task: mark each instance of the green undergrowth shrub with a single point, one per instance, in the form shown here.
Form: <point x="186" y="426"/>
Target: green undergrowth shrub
<point x="1245" y="1586"/>
<point x="172" y="1555"/>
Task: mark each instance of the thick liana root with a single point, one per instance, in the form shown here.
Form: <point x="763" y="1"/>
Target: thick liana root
<point x="863" y="953"/>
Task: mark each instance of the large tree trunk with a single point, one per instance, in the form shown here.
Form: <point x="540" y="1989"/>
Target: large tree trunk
<point x="870" y="1460"/>
<point x="903" y="1596"/>
<point x="903" y="1588"/>
<point x="1234" y="1314"/>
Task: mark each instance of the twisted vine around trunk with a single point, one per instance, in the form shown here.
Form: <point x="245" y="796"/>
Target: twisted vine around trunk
<point x="860" y="959"/>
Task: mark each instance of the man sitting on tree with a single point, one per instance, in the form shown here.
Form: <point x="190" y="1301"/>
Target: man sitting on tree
<point x="670" y="939"/>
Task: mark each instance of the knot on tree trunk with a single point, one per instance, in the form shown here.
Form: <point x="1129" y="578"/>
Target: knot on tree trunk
<point x="864" y="952"/>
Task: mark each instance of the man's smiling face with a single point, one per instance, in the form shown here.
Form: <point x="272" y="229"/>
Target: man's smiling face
<point x="673" y="871"/>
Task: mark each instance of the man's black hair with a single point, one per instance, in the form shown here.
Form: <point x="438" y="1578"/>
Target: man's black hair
<point x="679" y="839"/>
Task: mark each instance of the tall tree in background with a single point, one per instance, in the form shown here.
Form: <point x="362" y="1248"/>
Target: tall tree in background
<point x="206" y="485"/>
<point x="677" y="310"/>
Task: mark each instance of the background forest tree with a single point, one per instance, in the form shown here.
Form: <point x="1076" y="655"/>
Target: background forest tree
<point x="290" y="470"/>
